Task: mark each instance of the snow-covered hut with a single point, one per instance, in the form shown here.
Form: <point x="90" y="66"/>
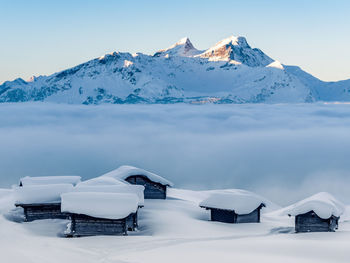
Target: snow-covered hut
<point x="41" y="201"/>
<point x="318" y="213"/>
<point x="94" y="213"/>
<point x="45" y="180"/>
<point x="155" y="185"/>
<point x="138" y="190"/>
<point x="236" y="206"/>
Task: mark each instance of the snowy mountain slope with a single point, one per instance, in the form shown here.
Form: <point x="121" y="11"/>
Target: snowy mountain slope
<point x="323" y="91"/>
<point x="229" y="72"/>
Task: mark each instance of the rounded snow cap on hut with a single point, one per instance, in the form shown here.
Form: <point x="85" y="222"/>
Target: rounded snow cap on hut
<point x="100" y="205"/>
<point x="39" y="194"/>
<point x="45" y="180"/>
<point x="323" y="204"/>
<point x="124" y="188"/>
<point x="239" y="201"/>
<point x="101" y="180"/>
<point x="125" y="171"/>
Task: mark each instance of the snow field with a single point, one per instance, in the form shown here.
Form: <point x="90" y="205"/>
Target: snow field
<point x="176" y="230"/>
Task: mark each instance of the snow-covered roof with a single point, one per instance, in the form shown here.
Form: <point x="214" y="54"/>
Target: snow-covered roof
<point x="65" y="179"/>
<point x="323" y="204"/>
<point x="100" y="205"/>
<point x="126" y="171"/>
<point x="102" y="180"/>
<point x="240" y="201"/>
<point x="126" y="188"/>
<point x="38" y="194"/>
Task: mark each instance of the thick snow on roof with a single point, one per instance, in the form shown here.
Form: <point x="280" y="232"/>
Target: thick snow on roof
<point x="125" y="171"/>
<point x="37" y="194"/>
<point x="241" y="201"/>
<point x="323" y="204"/>
<point x="65" y="179"/>
<point x="126" y="188"/>
<point x="102" y="180"/>
<point x="100" y="205"/>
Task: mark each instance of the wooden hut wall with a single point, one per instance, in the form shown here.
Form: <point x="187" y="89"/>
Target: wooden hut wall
<point x="153" y="190"/>
<point x="221" y="215"/>
<point x="43" y="211"/>
<point x="131" y="222"/>
<point x="311" y="222"/>
<point x="83" y="225"/>
<point x="253" y="217"/>
<point x="228" y="216"/>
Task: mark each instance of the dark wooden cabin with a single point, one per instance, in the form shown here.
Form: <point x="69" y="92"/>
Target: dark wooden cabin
<point x="229" y="216"/>
<point x="153" y="190"/>
<point x="42" y="211"/>
<point x="311" y="222"/>
<point x="84" y="225"/>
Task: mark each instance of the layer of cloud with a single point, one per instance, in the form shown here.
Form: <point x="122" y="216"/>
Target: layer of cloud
<point x="285" y="152"/>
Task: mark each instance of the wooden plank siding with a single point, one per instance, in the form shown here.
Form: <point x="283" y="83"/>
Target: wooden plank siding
<point x="42" y="211"/>
<point x="83" y="225"/>
<point x="253" y="217"/>
<point x="153" y="190"/>
<point x="311" y="222"/>
<point x="131" y="222"/>
<point x="224" y="216"/>
<point x="229" y="216"/>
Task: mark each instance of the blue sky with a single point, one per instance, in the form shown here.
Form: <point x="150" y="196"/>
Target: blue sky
<point x="43" y="37"/>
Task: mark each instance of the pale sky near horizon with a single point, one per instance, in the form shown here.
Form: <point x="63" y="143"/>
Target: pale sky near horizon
<point x="43" y="37"/>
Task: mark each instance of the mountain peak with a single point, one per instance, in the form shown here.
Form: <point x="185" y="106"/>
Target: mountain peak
<point x="238" y="50"/>
<point x="183" y="48"/>
<point x="183" y="41"/>
<point x="232" y="40"/>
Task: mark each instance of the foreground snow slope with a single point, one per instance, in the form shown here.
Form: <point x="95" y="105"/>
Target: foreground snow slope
<point x="229" y="72"/>
<point x="175" y="231"/>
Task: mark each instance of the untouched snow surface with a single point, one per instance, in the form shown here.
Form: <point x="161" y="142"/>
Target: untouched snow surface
<point x="242" y="202"/>
<point x="323" y="204"/>
<point x="36" y="194"/>
<point x="101" y="205"/>
<point x="125" y="171"/>
<point x="176" y="231"/>
<point x="40" y="180"/>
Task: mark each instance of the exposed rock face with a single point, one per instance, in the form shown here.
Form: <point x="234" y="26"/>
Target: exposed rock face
<point x="237" y="49"/>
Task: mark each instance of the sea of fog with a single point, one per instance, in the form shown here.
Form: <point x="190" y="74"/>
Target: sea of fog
<point x="284" y="152"/>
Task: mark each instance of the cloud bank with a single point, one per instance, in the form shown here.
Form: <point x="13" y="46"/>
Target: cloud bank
<point x="284" y="152"/>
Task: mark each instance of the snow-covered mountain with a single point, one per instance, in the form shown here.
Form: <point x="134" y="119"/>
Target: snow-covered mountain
<point x="229" y="72"/>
